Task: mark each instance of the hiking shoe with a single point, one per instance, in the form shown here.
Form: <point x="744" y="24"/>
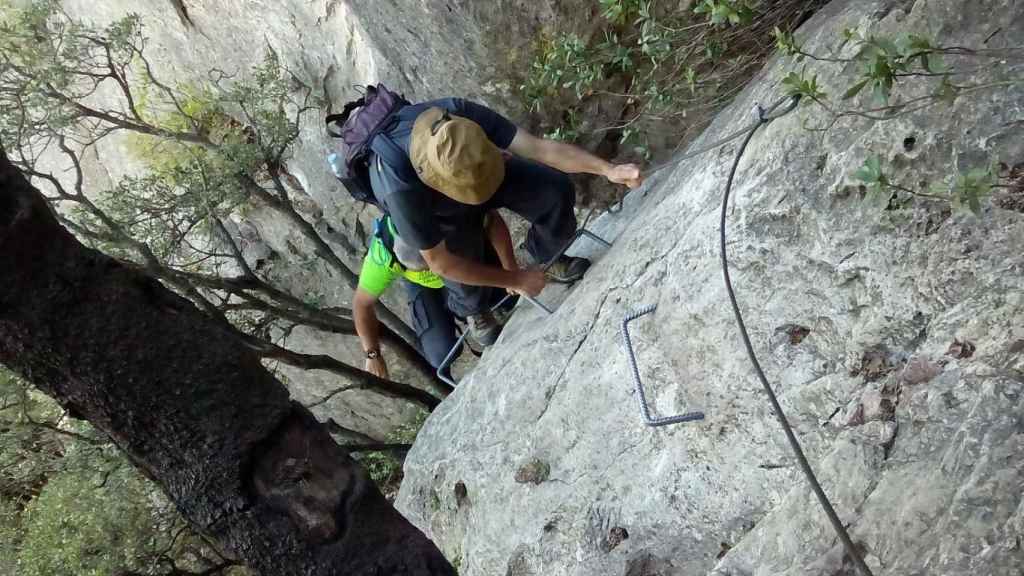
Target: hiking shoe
<point x="567" y="269"/>
<point x="483" y="328"/>
<point x="503" y="315"/>
<point x="504" y="312"/>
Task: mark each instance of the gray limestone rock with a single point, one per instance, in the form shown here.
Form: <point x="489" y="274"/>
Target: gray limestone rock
<point x="852" y="310"/>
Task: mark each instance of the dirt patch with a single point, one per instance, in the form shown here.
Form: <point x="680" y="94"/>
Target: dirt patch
<point x="1012" y="197"/>
<point x="647" y="564"/>
<point x="961" y="349"/>
<point x="461" y="494"/>
<point x="615" y="537"/>
<point x="875" y="363"/>
<point x="534" y="472"/>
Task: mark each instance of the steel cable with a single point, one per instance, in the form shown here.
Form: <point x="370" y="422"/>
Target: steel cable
<point x="851" y="549"/>
<point x="793" y="101"/>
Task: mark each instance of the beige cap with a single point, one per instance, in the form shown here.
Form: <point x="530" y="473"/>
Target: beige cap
<point x="453" y="155"/>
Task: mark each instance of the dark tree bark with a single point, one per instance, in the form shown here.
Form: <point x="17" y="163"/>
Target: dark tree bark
<point x="190" y="405"/>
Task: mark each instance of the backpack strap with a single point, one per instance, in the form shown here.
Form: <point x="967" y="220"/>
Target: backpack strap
<point x="384" y="146"/>
<point x="383" y="234"/>
<point x="382" y="228"/>
<point x="393" y="155"/>
<point x="342" y="117"/>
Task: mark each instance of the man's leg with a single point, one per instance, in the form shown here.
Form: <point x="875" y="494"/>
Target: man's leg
<point x="465" y="237"/>
<point x="545" y="197"/>
<point x="434" y="325"/>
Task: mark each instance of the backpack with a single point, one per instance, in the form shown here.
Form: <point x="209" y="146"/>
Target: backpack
<point x="360" y="128"/>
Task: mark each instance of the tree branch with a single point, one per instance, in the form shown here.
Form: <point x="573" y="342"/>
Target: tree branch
<point x="192" y="409"/>
<point x="360" y="379"/>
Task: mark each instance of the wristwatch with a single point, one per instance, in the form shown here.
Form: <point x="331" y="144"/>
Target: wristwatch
<point x="373" y="354"/>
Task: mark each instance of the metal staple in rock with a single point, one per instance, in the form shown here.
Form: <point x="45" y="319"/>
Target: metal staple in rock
<point x="645" y="411"/>
<point x="763" y="117"/>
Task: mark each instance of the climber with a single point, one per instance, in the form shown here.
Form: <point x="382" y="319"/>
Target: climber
<point x="388" y="258"/>
<point x="455" y="147"/>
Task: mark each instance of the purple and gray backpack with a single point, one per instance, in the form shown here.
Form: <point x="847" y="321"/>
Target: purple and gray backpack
<point x="360" y="128"/>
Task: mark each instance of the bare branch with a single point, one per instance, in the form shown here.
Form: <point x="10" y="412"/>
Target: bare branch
<point x="361" y="380"/>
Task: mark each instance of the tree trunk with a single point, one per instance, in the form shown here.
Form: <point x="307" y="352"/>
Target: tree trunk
<point x="190" y="405"/>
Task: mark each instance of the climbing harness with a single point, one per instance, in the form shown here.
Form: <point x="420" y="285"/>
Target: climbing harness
<point x="645" y="411"/>
<point x="540" y="305"/>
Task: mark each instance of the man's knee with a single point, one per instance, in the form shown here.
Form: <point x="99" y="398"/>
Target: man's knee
<point x="561" y="191"/>
<point x="436" y="345"/>
<point x="563" y="184"/>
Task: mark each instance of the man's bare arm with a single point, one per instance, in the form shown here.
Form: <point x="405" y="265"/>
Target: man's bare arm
<point x="465" y="271"/>
<point x="572" y="159"/>
<point x="368" y="329"/>
<point x="501" y="239"/>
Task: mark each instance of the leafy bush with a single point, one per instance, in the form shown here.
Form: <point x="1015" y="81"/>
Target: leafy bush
<point x="73" y="527"/>
<point x="664" y="64"/>
<point x="733" y="12"/>
<point x="384" y="468"/>
<point x="70" y="503"/>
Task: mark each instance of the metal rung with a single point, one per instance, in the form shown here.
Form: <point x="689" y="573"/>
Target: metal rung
<point x="645" y="411"/>
<point x="540" y="305"/>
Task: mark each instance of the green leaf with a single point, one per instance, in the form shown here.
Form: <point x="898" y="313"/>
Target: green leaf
<point x="978" y="174"/>
<point x="887" y="45"/>
<point x="855" y="89"/>
<point x="939" y="188"/>
<point x="880" y="68"/>
<point x="915" y="43"/>
<point x="865" y="175"/>
<point x="691" y="80"/>
<point x="870" y="172"/>
<point x="875" y="163"/>
<point x="974" y="203"/>
<point x="947" y="92"/>
<point x="880" y="94"/>
<point x="934" y="63"/>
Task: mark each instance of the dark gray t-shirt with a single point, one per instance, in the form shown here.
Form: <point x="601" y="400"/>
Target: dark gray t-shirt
<point x="422" y="215"/>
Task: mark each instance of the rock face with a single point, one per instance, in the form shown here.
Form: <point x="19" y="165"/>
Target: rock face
<point x="894" y="338"/>
<point x="330" y="45"/>
<point x="425" y="49"/>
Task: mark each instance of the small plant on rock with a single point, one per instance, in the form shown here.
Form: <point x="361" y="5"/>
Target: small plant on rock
<point x="804" y="85"/>
<point x="964" y="191"/>
<point x="967" y="189"/>
<point x="719" y="12"/>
